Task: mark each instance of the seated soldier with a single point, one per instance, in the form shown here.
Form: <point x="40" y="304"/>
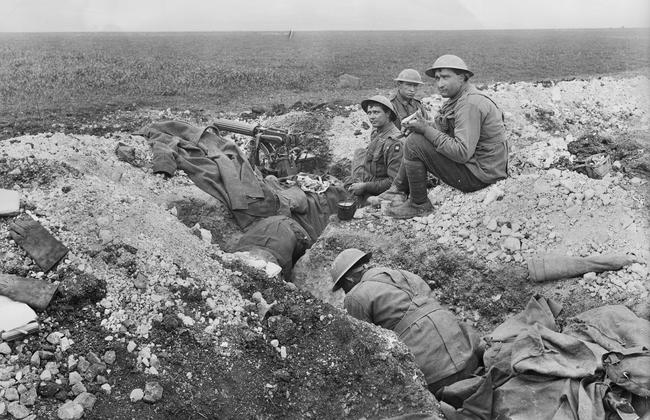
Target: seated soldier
<point x="466" y="148"/>
<point x="404" y="101"/>
<point x="375" y="167"/>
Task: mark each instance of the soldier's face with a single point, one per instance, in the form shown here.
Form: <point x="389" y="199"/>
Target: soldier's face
<point x="407" y="89"/>
<point x="377" y="116"/>
<point x="448" y="82"/>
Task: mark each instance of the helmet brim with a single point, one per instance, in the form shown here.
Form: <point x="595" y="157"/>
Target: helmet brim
<point x="432" y="71"/>
<point x="367" y="102"/>
<point x="362" y="260"/>
<point x="409" y="81"/>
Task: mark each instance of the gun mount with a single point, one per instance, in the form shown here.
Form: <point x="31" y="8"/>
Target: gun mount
<point x="273" y="151"/>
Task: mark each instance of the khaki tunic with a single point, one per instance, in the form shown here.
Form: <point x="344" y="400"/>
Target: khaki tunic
<point x="400" y="301"/>
<point x="404" y="107"/>
<point x="379" y="163"/>
<point x="470" y="130"/>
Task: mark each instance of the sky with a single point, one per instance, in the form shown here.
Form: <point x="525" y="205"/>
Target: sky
<point x="282" y="15"/>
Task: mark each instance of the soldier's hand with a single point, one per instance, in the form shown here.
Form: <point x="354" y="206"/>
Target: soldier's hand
<point x="417" y="124"/>
<point x="357" y="188"/>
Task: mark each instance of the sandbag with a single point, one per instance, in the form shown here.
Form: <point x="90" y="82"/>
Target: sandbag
<point x="540" y="350"/>
<point x="41" y="246"/>
<point x="36" y="293"/>
<point x="613" y="327"/>
<point x="539" y="310"/>
<point x="630" y="369"/>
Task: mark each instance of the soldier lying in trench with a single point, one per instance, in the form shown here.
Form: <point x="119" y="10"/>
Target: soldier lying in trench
<point x="445" y="349"/>
<point x="279" y="222"/>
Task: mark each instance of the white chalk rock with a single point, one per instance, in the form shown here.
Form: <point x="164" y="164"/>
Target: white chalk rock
<point x="493" y="194"/>
<point x="555" y="94"/>
<point x="9" y="202"/>
<point x="272" y="269"/>
<point x="136" y="395"/>
<point x="511" y="244"/>
<point x="70" y="411"/>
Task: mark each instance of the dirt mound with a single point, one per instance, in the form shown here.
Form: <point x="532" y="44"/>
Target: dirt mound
<point x="144" y="300"/>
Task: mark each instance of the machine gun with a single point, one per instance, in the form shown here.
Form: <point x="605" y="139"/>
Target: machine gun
<point x="273" y="151"/>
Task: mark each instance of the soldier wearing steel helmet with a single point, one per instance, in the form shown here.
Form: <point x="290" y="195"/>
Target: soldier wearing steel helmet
<point x="466" y="147"/>
<point x="375" y="167"/>
<point x="404" y="101"/>
<point x="445" y="349"/>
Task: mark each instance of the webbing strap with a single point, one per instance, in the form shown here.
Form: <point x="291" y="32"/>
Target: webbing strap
<point x="503" y="119"/>
<point x="414" y="314"/>
<point x="420" y="306"/>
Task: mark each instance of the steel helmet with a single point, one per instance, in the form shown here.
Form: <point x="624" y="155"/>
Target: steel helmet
<point x="448" y="61"/>
<point x="380" y="100"/>
<point x="409" y="75"/>
<point x="343" y="262"/>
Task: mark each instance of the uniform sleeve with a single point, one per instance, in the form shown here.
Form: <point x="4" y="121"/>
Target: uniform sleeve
<point x="164" y="158"/>
<point x="416" y="283"/>
<point x="392" y="160"/>
<point x="400" y="113"/>
<point x="467" y="131"/>
<point x="355" y="308"/>
<point x="357" y="166"/>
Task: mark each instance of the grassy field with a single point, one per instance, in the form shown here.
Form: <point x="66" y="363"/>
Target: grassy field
<point x="46" y="77"/>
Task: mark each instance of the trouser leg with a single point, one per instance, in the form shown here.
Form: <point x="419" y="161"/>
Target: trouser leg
<point x="465" y="373"/>
<point x="457" y="175"/>
<point x="400" y="181"/>
<point x="357" y="165"/>
<point x="416" y="174"/>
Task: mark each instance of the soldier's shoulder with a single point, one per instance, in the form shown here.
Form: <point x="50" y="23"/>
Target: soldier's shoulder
<point x="393" y="134"/>
<point x="392" y="97"/>
<point x="394" y="137"/>
<point x="394" y="143"/>
<point x="375" y="273"/>
<point x="478" y="98"/>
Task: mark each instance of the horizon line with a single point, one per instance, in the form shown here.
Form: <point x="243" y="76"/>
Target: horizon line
<point x="324" y="30"/>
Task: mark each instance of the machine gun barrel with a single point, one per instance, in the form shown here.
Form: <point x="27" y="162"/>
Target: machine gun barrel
<point x="236" y="127"/>
<point x="275" y="135"/>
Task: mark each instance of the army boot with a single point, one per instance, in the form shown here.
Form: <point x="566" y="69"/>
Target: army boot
<point x="418" y="203"/>
<point x="393" y="194"/>
<point x="396" y="194"/>
<point x="409" y="209"/>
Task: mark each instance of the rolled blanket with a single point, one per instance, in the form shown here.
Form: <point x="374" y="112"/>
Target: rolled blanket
<point x="548" y="267"/>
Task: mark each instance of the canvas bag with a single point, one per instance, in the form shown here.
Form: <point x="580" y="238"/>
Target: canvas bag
<point x="630" y="369"/>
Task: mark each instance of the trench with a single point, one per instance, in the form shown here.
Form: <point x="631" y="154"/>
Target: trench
<point x="483" y="296"/>
<point x="472" y="290"/>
